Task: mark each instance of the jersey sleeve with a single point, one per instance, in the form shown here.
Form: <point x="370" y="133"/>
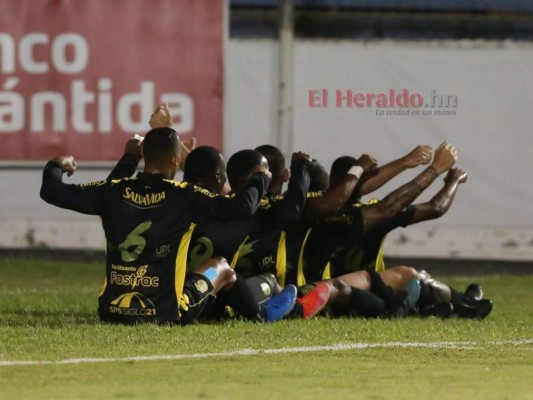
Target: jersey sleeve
<point x="289" y="209"/>
<point x="242" y="205"/>
<point x="84" y="198"/>
<point x="125" y="167"/>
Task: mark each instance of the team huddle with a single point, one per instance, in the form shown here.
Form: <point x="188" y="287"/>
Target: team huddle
<point x="198" y="250"/>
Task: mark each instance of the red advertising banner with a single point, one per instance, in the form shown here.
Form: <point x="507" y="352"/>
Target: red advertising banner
<point x="81" y="77"/>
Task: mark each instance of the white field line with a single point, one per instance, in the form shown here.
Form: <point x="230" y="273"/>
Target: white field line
<point x="285" y="350"/>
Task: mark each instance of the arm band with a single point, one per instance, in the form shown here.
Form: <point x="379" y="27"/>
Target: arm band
<point x="356" y="171"/>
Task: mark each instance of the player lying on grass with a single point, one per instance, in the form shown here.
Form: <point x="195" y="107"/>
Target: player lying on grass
<point x="466" y="304"/>
<point x="368" y="253"/>
<point x="283" y="252"/>
<point x="148" y="222"/>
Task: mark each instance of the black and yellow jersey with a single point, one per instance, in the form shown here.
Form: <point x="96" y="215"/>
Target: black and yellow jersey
<point x="148" y="222"/>
<point x="275" y="213"/>
<point x="367" y="254"/>
<point x="301" y="254"/>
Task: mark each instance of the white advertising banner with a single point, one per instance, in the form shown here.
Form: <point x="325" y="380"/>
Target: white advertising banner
<point x="384" y="98"/>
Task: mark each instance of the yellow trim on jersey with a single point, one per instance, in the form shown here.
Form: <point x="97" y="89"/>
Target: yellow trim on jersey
<point x="281" y="260"/>
<point x="105" y="280"/>
<point x="327" y="271"/>
<point x="182" y="185"/>
<point x="237" y="254"/>
<point x="380" y="262"/>
<point x="103" y="288"/>
<point x="300" y="279"/>
<point x="181" y="266"/>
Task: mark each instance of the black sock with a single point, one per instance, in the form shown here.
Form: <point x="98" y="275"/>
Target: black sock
<point x="366" y="304"/>
<point x="379" y="288"/>
<point x="427" y="297"/>
<point x="457" y="297"/>
<point x="243" y="301"/>
<point x="393" y="300"/>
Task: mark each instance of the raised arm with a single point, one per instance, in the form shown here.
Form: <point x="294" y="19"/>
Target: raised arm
<point x="127" y="165"/>
<point x="441" y="202"/>
<point x="392" y="204"/>
<point x="289" y="208"/>
<point x="212" y="207"/>
<point x="378" y="177"/>
<point x="336" y="197"/>
<point x="85" y="198"/>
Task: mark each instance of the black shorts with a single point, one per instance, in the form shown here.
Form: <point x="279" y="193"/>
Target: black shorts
<point x="197" y="298"/>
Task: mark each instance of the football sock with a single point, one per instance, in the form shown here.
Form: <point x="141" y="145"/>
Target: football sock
<point x="366" y="304"/>
<point x="242" y="299"/>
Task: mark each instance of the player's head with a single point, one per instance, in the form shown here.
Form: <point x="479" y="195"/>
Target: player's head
<point x="205" y="166"/>
<point x="241" y="166"/>
<point x="319" y="177"/>
<point x="276" y="165"/>
<point x="340" y="168"/>
<point x="161" y="151"/>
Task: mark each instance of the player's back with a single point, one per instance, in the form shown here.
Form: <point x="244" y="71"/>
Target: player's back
<point x="145" y="220"/>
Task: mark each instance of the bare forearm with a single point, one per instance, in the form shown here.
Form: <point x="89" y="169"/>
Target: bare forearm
<point x="373" y="180"/>
<point x="406" y="194"/>
<point x="437" y="206"/>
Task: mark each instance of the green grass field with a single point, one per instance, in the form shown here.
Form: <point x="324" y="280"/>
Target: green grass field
<point x="48" y="315"/>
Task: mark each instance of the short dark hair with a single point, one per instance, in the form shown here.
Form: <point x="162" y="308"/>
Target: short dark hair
<point x="159" y="145"/>
<point x="201" y="163"/>
<point x="275" y="158"/>
<point x="340" y="168"/>
<point x="240" y="165"/>
<point x="319" y="177"/>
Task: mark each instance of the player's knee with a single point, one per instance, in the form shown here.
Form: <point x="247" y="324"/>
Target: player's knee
<point x="219" y="272"/>
<point x="407" y="272"/>
<point x="341" y="289"/>
<point x="227" y="277"/>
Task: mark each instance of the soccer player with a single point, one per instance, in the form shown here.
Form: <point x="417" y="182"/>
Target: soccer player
<point x="368" y="253"/>
<point x="148" y="222"/>
<point x="205" y="167"/>
<point x="283" y="252"/>
<point x="319" y="205"/>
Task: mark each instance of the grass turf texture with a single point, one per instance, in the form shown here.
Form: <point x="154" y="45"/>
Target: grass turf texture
<point x="48" y="312"/>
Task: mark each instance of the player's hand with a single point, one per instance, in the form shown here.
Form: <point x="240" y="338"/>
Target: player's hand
<point x="263" y="170"/>
<point x="445" y="157"/>
<point x="367" y="162"/>
<point x="300" y="155"/>
<point x="186" y="147"/>
<point x="420" y="155"/>
<point x="68" y="164"/>
<point x="161" y="117"/>
<point x="455" y="175"/>
<point x="133" y="146"/>
<point x="189" y="144"/>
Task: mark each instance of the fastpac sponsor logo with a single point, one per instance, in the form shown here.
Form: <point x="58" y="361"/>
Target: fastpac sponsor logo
<point x="132" y="276"/>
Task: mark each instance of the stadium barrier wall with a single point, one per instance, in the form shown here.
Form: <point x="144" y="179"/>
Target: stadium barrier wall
<point x="488" y="85"/>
